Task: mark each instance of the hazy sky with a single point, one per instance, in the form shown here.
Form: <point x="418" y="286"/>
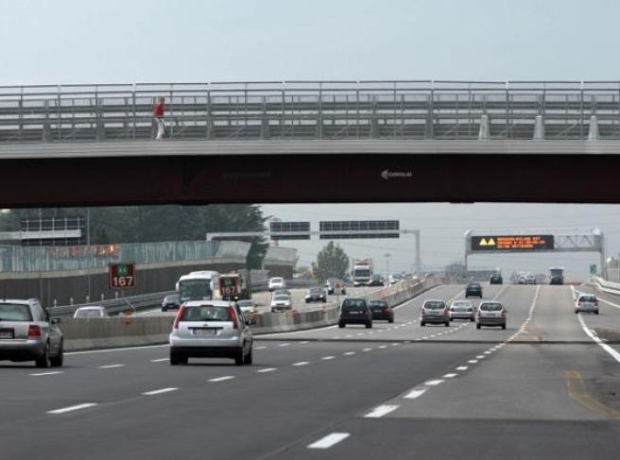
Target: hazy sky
<point x="112" y="41"/>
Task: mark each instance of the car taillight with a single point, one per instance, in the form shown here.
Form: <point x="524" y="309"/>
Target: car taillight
<point x="34" y="331"/>
<point x="234" y="317"/>
<point x="503" y="313"/>
<point x="180" y="314"/>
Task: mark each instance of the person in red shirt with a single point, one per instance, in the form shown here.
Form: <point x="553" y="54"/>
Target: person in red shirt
<point x="158" y="113"/>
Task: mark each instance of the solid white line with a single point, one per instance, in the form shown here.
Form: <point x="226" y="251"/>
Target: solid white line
<point x="267" y="369"/>
<point x="112" y="366"/>
<point x="614" y="354"/>
<point x="415" y="393"/>
<point x="301" y="363"/>
<point x="46" y="373"/>
<point x="327" y="358"/>
<point x="433" y="383"/>
<point x="462" y="368"/>
<point x="329" y="441"/>
<point x="159" y="360"/>
<point x="450" y="376"/>
<point x="221" y="379"/>
<point x="158" y="392"/>
<point x="64" y="410"/>
<point x="380" y="411"/>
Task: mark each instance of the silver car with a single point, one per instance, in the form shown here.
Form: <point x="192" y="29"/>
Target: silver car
<point x="491" y="314"/>
<point x="210" y="329"/>
<point x="27" y="333"/>
<point x="435" y="312"/>
<point x="586" y="303"/>
<point x="462" y="309"/>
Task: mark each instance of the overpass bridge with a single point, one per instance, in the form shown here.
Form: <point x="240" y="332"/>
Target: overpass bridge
<point x="393" y="141"/>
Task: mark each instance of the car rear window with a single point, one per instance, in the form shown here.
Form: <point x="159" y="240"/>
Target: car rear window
<point x="434" y="305"/>
<point x="91" y="313"/>
<point x="587" y="298"/>
<point x="353" y="305"/>
<point x="281" y="298"/>
<point x="15" y="312"/>
<point x="491" y="307"/>
<point x="475" y="286"/>
<point x="378" y="304"/>
<point x="206" y="313"/>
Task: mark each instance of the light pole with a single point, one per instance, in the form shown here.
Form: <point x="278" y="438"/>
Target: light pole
<point x="387" y="265"/>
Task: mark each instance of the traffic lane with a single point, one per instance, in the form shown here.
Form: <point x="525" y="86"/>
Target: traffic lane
<point x="406" y="315"/>
<point x="609" y="312"/>
<point x="265" y="411"/>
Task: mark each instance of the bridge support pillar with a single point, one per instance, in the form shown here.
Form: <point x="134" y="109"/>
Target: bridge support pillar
<point x="47" y="131"/>
<point x="318" y="129"/>
<point x="539" y="128"/>
<point x="484" y="133"/>
<point x="593" y="134"/>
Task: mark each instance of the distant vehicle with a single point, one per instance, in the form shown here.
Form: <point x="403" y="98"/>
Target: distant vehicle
<point x="496" y="278"/>
<point x="435" y="312"/>
<point x="249" y="309"/>
<point x="586" y="303"/>
<point x="171" y="301"/>
<point x="462" y="309"/>
<point x="316" y="294"/>
<point x="276" y="283"/>
<point x="530" y="278"/>
<point x="210" y="330"/>
<point x="281" y="303"/>
<point x="91" y="311"/>
<point x="376" y="280"/>
<point x="362" y="272"/>
<point x="335" y="286"/>
<point x="200" y="285"/>
<point x="556" y="275"/>
<point x="395" y="278"/>
<point x="473" y="290"/>
<point x="355" y="311"/>
<point x="27" y="333"/>
<point x="381" y="310"/>
<point x="491" y="313"/>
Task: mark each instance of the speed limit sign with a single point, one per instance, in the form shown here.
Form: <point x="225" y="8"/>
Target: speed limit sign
<point x="122" y="276"/>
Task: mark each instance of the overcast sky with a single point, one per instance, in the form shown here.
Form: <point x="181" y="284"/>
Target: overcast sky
<point x="113" y="41"/>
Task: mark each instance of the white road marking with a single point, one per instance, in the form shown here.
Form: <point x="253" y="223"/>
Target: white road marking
<point x="462" y="368"/>
<point x="433" y="383"/>
<point x="159" y="360"/>
<point x="383" y="346"/>
<point x="301" y="363"/>
<point x="472" y="361"/>
<point x="614" y="354"/>
<point x="64" y="410"/>
<point x="267" y="369"/>
<point x="112" y="366"/>
<point x="304" y="342"/>
<point x="367" y="349"/>
<point x="327" y="358"/>
<point x="380" y="411"/>
<point x="159" y="392"/>
<point x="415" y="393"/>
<point x="396" y="344"/>
<point x="42" y="374"/>
<point x="480" y="357"/>
<point x="349" y="353"/>
<point x="329" y="441"/>
<point x="221" y="379"/>
<point x="261" y="347"/>
<point x="487" y="352"/>
<point x="284" y="344"/>
<point x="450" y="376"/>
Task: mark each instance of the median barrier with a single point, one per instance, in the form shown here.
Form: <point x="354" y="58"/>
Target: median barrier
<point x="130" y="331"/>
<point x="603" y="285"/>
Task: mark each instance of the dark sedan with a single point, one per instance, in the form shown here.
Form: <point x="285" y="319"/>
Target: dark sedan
<point x="171" y="301"/>
<point x="355" y="311"/>
<point x="473" y="290"/>
<point x="381" y="310"/>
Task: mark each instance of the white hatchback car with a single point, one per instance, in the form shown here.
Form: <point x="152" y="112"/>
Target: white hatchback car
<point x="92" y="311"/>
<point x="586" y="303"/>
<point x="210" y="329"/>
<point x="276" y="283"/>
<point x="491" y="313"/>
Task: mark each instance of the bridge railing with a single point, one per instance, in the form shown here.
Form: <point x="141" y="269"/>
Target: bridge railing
<point x="308" y="109"/>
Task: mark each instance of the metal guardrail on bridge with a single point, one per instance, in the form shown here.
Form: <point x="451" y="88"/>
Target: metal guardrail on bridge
<point x="314" y="110"/>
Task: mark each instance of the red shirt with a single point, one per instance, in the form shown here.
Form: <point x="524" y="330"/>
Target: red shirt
<point x="159" y="110"/>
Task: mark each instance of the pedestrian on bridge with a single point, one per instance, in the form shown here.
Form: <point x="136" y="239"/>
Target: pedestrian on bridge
<point x="158" y="113"/>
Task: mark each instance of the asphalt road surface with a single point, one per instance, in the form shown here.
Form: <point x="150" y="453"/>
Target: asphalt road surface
<point x="545" y="388"/>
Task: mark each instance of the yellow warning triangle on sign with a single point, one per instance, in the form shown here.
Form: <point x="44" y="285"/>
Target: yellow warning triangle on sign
<point x="491" y="242"/>
<point x="483" y="242"/>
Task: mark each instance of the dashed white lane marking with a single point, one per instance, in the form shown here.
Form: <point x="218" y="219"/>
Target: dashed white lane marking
<point x="360" y="333"/>
<point x="284" y="344"/>
<point x="348" y="336"/>
<point x="267" y="369"/>
<point x="301" y="363"/>
<point x="159" y="360"/>
<point x="415" y="393"/>
<point x="380" y="411"/>
<point x="462" y="368"/>
<point x="396" y="344"/>
<point x="64" y="410"/>
<point x="261" y="348"/>
<point x="43" y="374"/>
<point x="472" y="361"/>
<point x="433" y="383"/>
<point x="349" y="353"/>
<point x="329" y="441"/>
<point x="221" y="379"/>
<point x="450" y="376"/>
<point x="383" y="347"/>
<point x="327" y="358"/>
<point x="304" y="342"/>
<point x="480" y="357"/>
<point x="487" y="352"/>
<point x="160" y="391"/>
<point x="112" y="366"/>
<point x="367" y="349"/>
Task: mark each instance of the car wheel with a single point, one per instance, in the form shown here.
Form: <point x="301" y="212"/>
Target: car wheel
<point x="503" y="326"/>
<point x="174" y="359"/>
<point x="422" y="324"/>
<point x="58" y="360"/>
<point x="596" y="312"/>
<point x="447" y="324"/>
<point x="164" y="309"/>
<point x="478" y="326"/>
<point x="576" y="312"/>
<point x="341" y="325"/>
<point x="248" y="358"/>
<point x="44" y="361"/>
<point x="240" y="357"/>
<point x="368" y="325"/>
<point x="472" y="320"/>
<point x="391" y="320"/>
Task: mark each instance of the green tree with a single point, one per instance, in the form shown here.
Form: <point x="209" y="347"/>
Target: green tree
<point x="332" y="261"/>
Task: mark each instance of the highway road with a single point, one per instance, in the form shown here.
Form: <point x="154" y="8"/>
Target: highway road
<point x="544" y="388"/>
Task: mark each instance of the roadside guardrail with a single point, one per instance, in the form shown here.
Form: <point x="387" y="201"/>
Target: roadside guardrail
<point x="603" y="285"/>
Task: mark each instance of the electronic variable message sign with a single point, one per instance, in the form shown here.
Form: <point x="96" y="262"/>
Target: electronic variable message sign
<point x="289" y="230"/>
<point x="351" y="229"/>
<point x="512" y="243"/>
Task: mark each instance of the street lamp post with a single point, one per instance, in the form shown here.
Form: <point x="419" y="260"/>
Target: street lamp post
<point x="387" y="265"/>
